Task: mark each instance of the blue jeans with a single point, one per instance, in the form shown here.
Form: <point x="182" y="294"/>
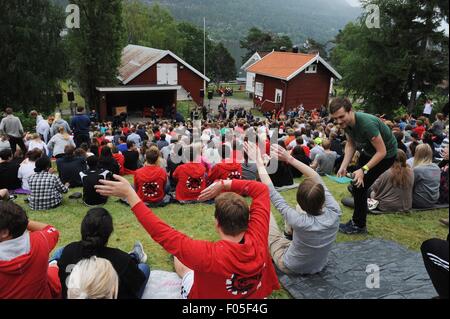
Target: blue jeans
<point x="146" y="270"/>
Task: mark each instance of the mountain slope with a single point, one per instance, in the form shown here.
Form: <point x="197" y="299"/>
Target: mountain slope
<point x="229" y="21"/>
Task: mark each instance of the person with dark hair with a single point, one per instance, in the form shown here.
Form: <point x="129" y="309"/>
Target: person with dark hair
<point x="107" y="161"/>
<point x="283" y="175"/>
<point x="314" y="223"/>
<point x="378" y="152"/>
<point x="235" y="267"/>
<point x="25" y="246"/>
<point x="27" y="167"/>
<point x="190" y="177"/>
<point x="11" y="126"/>
<point x="162" y="141"/>
<point x="70" y="166"/>
<point x="135" y="138"/>
<point x="89" y="178"/>
<point x="131" y="156"/>
<point x="299" y="154"/>
<point x="122" y="146"/>
<point x="96" y="229"/>
<point x="80" y="125"/>
<point x="46" y="188"/>
<point x="435" y="257"/>
<point x="9" y="169"/>
<point x="150" y="181"/>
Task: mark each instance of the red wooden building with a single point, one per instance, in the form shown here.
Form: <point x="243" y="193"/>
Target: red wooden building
<point x="286" y="80"/>
<point x="150" y="77"/>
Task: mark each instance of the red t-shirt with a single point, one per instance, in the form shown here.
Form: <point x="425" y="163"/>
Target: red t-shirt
<point x="306" y="150"/>
<point x="149" y="183"/>
<point x="225" y="170"/>
<point x="125" y="131"/>
<point x="191" y="181"/>
<point x="121" y="161"/>
<point x="28" y="275"/>
<point x="223" y="269"/>
<point x="419" y="130"/>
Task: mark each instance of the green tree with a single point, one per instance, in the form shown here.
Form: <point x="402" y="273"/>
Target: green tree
<point x="387" y="66"/>
<point x="222" y="65"/>
<point x="32" y="54"/>
<point x="260" y="41"/>
<point x="96" y="46"/>
<point x="151" y="26"/>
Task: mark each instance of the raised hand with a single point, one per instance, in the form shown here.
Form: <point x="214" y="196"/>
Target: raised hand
<point x="211" y="192"/>
<point x="280" y="153"/>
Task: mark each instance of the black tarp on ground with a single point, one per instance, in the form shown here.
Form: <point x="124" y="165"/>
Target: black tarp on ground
<point x="402" y="274"/>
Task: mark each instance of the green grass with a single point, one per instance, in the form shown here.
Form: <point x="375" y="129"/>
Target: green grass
<point x="197" y="221"/>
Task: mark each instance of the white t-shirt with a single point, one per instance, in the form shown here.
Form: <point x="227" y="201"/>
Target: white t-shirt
<point x="428" y="108"/>
<point x="26" y="169"/>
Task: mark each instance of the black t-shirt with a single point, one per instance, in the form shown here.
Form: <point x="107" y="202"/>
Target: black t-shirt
<point x="8" y="175"/>
<point x="131" y="278"/>
<point x="91" y="178"/>
<point x="69" y="169"/>
<point x="131" y="160"/>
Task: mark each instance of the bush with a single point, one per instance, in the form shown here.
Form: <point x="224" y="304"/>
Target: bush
<point x="28" y="123"/>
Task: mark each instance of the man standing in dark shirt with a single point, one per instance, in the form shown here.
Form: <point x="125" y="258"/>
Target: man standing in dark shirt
<point x="80" y="125"/>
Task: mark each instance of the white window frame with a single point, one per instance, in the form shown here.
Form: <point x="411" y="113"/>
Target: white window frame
<point x="278" y="96"/>
<point x="259" y="89"/>
<point x="311" y="69"/>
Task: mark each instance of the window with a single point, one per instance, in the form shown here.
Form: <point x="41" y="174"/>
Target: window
<point x="311" y="69"/>
<point x="278" y="96"/>
<point x="259" y="89"/>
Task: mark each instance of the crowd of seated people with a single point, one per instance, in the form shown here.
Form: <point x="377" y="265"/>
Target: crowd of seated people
<point x="180" y="162"/>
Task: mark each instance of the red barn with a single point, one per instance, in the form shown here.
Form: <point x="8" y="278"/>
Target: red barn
<point x="150" y="77"/>
<point x="286" y="80"/>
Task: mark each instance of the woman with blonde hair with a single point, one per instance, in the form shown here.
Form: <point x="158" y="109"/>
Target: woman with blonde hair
<point x="426" y="178"/>
<point x="59" y="141"/>
<point x="393" y="189"/>
<point x="58" y="123"/>
<point x="93" y="278"/>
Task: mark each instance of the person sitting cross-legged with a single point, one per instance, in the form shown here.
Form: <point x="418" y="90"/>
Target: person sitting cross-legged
<point x="70" y="166"/>
<point x="235" y="267"/>
<point x="90" y="178"/>
<point x="190" y="177"/>
<point x="46" y="188"/>
<point x="150" y="181"/>
<point x="315" y="222"/>
<point x="96" y="229"/>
